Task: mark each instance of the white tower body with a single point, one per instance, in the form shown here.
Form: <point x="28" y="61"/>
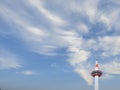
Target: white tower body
<point x="96" y="83"/>
<point x="96" y="74"/>
<point x="96" y="78"/>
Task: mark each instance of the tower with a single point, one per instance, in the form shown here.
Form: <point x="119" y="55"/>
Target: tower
<point x="96" y="74"/>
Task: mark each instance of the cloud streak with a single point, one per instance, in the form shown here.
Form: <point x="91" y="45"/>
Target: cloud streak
<point x="26" y="72"/>
<point x="38" y="4"/>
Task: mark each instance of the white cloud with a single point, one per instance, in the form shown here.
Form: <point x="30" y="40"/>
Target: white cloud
<point x="47" y="41"/>
<point x="77" y="54"/>
<point x="38" y="39"/>
<point x="82" y="28"/>
<point x="78" y="57"/>
<point x="91" y="8"/>
<point x="26" y="72"/>
<point x="110" y="45"/>
<point x="36" y="31"/>
<point x="8" y="60"/>
<point x="105" y="20"/>
<point x="49" y="15"/>
<point x="33" y="34"/>
<point x="112" y="67"/>
<point x="111" y="19"/>
<point x="77" y="60"/>
<point x="86" y="8"/>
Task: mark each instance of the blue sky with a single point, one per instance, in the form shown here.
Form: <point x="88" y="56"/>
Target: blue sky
<point x="53" y="44"/>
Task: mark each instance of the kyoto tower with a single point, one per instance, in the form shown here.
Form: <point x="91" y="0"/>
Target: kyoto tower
<point x="96" y="74"/>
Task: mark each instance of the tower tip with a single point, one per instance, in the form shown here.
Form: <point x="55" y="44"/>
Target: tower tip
<point x="96" y="64"/>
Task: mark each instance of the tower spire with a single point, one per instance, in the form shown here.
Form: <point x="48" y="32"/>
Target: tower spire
<point x="96" y="66"/>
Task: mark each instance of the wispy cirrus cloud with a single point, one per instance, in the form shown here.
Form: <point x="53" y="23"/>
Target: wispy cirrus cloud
<point x="38" y="4"/>
<point x="45" y="31"/>
<point x="27" y="72"/>
<point x="111" y="19"/>
<point x="110" y="45"/>
<point x="112" y="67"/>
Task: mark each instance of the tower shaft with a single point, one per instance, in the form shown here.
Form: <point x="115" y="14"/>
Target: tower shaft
<point x="96" y="83"/>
